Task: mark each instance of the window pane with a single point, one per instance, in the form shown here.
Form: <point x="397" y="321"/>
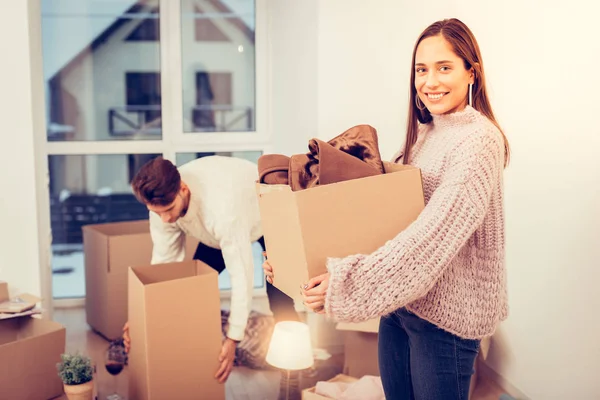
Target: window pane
<point x="102" y="69"/>
<point x="224" y="280"/>
<point x="87" y="189"/>
<point x="218" y="68"/>
<point x="252" y="156"/>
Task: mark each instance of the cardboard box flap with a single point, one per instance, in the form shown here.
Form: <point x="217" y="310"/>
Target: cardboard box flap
<point x="150" y="274"/>
<point x="120" y="228"/>
<point x="284" y="243"/>
<point x="123" y="251"/>
<point x="371" y="326"/>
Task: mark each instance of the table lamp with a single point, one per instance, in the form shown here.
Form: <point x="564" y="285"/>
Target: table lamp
<point x="290" y="348"/>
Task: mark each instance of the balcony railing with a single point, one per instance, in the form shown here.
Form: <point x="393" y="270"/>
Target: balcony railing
<point x="134" y="120"/>
<point x="146" y="120"/>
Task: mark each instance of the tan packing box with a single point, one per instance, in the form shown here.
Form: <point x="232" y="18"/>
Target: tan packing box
<point x="303" y="228"/>
<point x="30" y="348"/>
<point x="484" y="349"/>
<point x="175" y="329"/>
<point x="309" y="394"/>
<point x="109" y="250"/>
<point x="360" y="348"/>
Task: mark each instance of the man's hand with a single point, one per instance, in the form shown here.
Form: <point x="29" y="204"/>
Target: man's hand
<point x="226" y="360"/>
<point x="314" y="293"/>
<point x="126" y="338"/>
<point x="268" y="269"/>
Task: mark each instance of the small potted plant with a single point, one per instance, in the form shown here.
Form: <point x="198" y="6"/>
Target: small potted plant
<point x="76" y="372"/>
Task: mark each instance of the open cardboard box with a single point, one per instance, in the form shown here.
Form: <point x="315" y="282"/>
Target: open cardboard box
<point x="303" y="228"/>
<point x="29" y="349"/>
<point x="110" y="249"/>
<point x="175" y="330"/>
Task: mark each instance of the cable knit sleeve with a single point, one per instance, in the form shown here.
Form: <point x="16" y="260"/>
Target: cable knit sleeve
<point x="167" y="241"/>
<point x="236" y="246"/>
<point x="363" y="287"/>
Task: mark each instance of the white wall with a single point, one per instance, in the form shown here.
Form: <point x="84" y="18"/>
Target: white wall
<point x="541" y="62"/>
<point x="293" y="71"/>
<point x="20" y="258"/>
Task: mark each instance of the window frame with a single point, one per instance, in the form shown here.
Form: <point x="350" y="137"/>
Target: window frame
<point x="174" y="140"/>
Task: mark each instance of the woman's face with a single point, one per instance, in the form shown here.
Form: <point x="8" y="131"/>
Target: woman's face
<point x="441" y="80"/>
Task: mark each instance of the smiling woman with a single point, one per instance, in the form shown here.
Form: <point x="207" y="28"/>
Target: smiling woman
<point x="440" y="284"/>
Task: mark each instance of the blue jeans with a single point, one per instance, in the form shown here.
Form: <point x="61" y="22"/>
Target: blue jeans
<point x="419" y="361"/>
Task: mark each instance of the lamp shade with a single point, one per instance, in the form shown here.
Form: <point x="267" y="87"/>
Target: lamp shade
<point x="290" y="346"/>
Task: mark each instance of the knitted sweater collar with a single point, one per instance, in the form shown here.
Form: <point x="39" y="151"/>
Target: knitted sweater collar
<point x="458" y="118"/>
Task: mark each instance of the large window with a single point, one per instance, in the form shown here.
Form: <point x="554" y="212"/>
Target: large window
<point x="129" y="80"/>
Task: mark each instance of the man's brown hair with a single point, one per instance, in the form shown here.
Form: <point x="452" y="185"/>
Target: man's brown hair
<point x="157" y="182"/>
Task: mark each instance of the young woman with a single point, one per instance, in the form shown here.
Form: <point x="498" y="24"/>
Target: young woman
<point x="440" y="284"/>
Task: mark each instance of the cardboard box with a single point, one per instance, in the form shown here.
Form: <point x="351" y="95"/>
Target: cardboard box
<point x="303" y="228"/>
<point x="109" y="250"/>
<point x="175" y="329"/>
<point x="484" y="349"/>
<point x="361" y="355"/>
<point x="309" y="394"/>
<point x="29" y="350"/>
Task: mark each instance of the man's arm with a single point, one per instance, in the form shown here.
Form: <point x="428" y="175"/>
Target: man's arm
<point x="168" y="241"/>
<point x="237" y="253"/>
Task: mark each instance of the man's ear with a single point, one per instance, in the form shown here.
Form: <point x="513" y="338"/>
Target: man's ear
<point x="183" y="187"/>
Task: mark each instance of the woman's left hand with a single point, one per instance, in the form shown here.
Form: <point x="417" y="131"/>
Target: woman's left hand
<point x="314" y="293"/>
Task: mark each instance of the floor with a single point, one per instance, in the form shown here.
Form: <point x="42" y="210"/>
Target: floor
<point x="243" y="384"/>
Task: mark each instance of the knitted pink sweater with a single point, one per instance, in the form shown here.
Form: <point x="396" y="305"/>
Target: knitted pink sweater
<point x="447" y="267"/>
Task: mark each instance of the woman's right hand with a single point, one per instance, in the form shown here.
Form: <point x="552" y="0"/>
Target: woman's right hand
<point x="268" y="269"/>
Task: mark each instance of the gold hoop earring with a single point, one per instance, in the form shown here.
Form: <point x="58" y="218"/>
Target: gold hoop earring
<point x="419" y="103"/>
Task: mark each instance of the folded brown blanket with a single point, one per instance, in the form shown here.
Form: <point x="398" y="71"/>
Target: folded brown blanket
<point x="351" y="155"/>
